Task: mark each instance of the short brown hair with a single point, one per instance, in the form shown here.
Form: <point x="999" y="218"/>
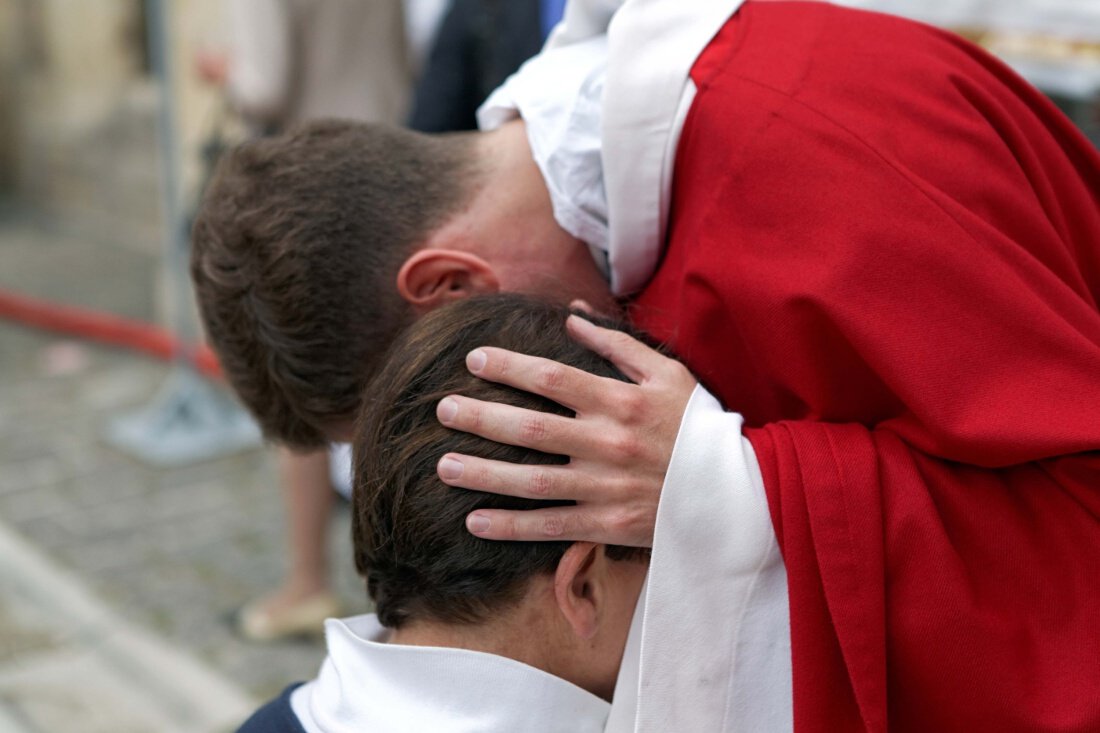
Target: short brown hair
<point x="408" y="527"/>
<point x="295" y="252"/>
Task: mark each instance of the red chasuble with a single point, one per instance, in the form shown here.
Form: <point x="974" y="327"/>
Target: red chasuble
<point x="884" y="250"/>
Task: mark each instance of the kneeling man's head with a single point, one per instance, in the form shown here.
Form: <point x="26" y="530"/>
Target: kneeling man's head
<point x="563" y="607"/>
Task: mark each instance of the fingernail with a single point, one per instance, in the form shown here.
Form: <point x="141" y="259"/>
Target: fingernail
<point x="450" y="469"/>
<point x="447" y="410"/>
<point x="475" y="360"/>
<point x="477" y="523"/>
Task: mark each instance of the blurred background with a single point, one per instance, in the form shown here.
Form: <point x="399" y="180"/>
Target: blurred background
<point x="150" y="577"/>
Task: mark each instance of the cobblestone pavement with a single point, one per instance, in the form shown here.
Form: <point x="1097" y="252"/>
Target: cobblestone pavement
<point x="171" y="552"/>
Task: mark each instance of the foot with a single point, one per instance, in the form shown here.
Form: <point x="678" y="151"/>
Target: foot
<point x="287" y="613"/>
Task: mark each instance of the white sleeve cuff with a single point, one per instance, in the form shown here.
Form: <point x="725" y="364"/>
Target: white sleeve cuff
<point x="715" y="646"/>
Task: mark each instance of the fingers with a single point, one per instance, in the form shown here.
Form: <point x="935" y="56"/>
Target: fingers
<point x="563" y="523"/>
<point x="523" y="480"/>
<point x="542" y="431"/>
<point x="636" y="360"/>
<point x="574" y="388"/>
<point x="558" y="523"/>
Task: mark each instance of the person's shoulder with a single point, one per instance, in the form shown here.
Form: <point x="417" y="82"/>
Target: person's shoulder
<point x="276" y="716"/>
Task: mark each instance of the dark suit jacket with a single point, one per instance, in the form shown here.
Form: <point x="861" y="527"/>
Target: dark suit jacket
<point x="479" y="44"/>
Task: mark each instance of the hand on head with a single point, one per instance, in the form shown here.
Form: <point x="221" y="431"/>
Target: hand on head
<point x="619" y="443"/>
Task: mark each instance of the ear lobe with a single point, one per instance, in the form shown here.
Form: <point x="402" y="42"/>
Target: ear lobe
<point x="430" y="278"/>
<point x="579" y="587"/>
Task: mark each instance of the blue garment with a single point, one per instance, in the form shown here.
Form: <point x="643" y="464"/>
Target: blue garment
<point x="275" y="717"/>
<point x="550" y="12"/>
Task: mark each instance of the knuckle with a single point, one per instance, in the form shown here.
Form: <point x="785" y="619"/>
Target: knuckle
<point x="533" y="429"/>
<point x="621" y="523"/>
<point x="617" y="341"/>
<point x="628" y="523"/>
<point x="623" y="447"/>
<point x="550" y="377"/>
<point x="541" y="483"/>
<point x="632" y="404"/>
<point x="553" y="526"/>
<point x="679" y="372"/>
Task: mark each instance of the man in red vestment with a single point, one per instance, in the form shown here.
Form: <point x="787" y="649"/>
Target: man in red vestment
<point x="894" y="277"/>
<point x="881" y="251"/>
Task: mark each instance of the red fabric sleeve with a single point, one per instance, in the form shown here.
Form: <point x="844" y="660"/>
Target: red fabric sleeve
<point x="884" y="252"/>
<point x="951" y="597"/>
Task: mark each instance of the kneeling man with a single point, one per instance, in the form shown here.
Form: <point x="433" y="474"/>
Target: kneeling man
<point x="468" y="634"/>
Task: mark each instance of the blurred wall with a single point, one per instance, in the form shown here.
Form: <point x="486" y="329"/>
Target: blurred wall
<point x="78" y="107"/>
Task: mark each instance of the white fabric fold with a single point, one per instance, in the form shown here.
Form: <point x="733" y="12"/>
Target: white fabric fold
<point x="653" y="45"/>
<point x="368" y="685"/>
<point x="715" y="637"/>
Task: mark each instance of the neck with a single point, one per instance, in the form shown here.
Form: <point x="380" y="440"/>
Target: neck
<point x="514" y="203"/>
<point x="510" y="222"/>
<point x="505" y="637"/>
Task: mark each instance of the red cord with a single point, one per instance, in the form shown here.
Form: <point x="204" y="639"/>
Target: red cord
<point x="106" y="328"/>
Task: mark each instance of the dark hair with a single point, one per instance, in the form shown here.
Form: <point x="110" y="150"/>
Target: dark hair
<point x="408" y="527"/>
<point x="295" y="251"/>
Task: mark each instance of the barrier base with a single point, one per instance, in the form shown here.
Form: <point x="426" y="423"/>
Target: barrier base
<point x="189" y="421"/>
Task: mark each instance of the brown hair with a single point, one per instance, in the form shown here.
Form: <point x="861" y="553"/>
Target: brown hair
<point x="295" y="250"/>
<point x="408" y="527"/>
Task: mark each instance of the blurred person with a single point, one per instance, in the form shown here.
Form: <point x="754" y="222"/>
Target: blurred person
<point x="477" y="46"/>
<point x="889" y="269"/>
<point x="468" y="634"/>
<point x="290" y="61"/>
<point x="295" y="60"/>
<point x="422" y="21"/>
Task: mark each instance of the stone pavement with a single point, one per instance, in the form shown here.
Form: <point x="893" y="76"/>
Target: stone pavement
<point x="156" y="558"/>
<point x="67" y="662"/>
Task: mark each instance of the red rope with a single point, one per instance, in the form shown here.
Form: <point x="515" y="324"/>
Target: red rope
<point x="106" y="328"/>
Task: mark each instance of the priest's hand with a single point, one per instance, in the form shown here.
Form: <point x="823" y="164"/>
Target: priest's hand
<point x="619" y="443"/>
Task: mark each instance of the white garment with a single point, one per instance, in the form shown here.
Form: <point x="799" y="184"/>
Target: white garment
<point x="368" y="686"/>
<point x="710" y="646"/>
<point x="715" y="650"/>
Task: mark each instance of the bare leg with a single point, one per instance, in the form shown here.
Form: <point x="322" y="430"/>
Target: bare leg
<point x="308" y="497"/>
<point x="303" y="598"/>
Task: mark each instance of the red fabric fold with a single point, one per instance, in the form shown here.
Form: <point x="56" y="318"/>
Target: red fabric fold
<point x="884" y="251"/>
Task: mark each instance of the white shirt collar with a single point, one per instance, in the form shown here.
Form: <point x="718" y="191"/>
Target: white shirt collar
<point x="368" y="685"/>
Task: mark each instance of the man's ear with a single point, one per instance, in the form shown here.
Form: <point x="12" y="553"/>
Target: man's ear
<point x="430" y="278"/>
<point x="580" y="587"/>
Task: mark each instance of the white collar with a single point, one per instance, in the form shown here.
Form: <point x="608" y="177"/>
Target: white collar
<point x="368" y="685"/>
<point x="653" y="45"/>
